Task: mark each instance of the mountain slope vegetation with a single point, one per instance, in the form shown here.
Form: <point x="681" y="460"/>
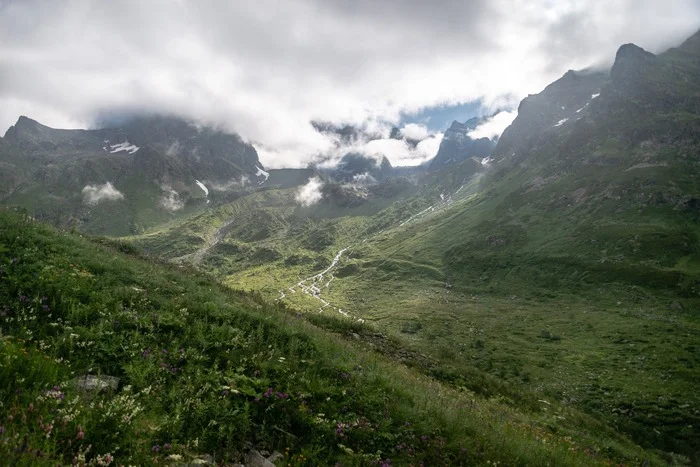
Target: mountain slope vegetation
<point x="205" y="373"/>
<point x="570" y="268"/>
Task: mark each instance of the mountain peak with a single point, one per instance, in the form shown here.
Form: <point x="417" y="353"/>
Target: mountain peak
<point x="631" y="50"/>
<point x="24" y="127"/>
<point x="630" y="62"/>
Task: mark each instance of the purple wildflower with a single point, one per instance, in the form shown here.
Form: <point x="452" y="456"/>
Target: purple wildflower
<point x="165" y="351"/>
<point x="2" y="429"/>
<point x="14" y="260"/>
<point x="146" y="353"/>
<point x="267" y="393"/>
<point x="167" y="446"/>
<point x="155" y="448"/>
<point x="282" y="395"/>
<point x="424" y="438"/>
<point x="23" y="298"/>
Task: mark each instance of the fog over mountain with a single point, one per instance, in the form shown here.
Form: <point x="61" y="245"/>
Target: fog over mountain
<point x="266" y="70"/>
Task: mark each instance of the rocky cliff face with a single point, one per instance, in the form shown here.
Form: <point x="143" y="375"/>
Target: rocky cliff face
<point x="457" y="146"/>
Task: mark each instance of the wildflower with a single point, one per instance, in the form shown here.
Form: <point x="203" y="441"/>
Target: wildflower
<point x="282" y="395"/>
<point x="146" y="353"/>
<point x="424" y="438"/>
<point x="14" y="260"/>
<point x="155" y="448"/>
<point x="164" y="351"/>
<point x="167" y="446"/>
<point x="268" y="393"/>
<point x="23" y="298"/>
<point x="81" y="433"/>
<point x="2" y="430"/>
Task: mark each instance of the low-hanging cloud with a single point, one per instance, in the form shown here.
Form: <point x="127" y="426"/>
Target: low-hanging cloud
<point x="233" y="184"/>
<point x="493" y="126"/>
<point x="266" y="69"/>
<point x="310" y="193"/>
<point x="94" y="194"/>
<point x="415" y="131"/>
<point x="171" y="199"/>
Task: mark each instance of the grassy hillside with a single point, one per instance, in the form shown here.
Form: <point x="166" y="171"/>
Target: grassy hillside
<point x="516" y="284"/>
<point x="207" y="373"/>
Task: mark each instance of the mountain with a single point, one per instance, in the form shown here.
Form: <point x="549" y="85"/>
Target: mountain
<point x="568" y="268"/>
<point x="358" y="167"/>
<point x="121" y="179"/>
<point x="457" y="146"/>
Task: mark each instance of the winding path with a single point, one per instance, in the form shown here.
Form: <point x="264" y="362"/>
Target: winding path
<point x="219" y="235"/>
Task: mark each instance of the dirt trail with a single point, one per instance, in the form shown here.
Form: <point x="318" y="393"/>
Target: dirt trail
<point x="219" y="235"/>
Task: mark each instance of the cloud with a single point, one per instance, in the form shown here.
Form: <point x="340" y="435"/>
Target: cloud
<point x="233" y="184"/>
<point x="415" y="131"/>
<point x="266" y="69"/>
<point x="310" y="193"/>
<point x="493" y="127"/>
<point x="171" y="199"/>
<point x="94" y="194"/>
<point x="399" y="152"/>
<point x="364" y="179"/>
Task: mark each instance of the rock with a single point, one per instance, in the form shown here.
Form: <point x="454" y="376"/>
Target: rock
<point x="275" y="456"/>
<point x="265" y="453"/>
<point x="675" y="306"/>
<point x="255" y="459"/>
<point x="95" y="382"/>
<point x="355" y="335"/>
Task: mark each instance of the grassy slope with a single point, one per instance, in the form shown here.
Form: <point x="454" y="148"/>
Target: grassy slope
<point x="565" y="285"/>
<point x="196" y="360"/>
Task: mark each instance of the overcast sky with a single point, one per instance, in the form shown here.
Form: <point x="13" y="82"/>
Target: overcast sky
<point x="265" y="68"/>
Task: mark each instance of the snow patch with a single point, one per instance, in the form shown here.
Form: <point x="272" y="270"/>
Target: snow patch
<point x="582" y="108"/>
<point x="204" y="189"/>
<point x="593" y="96"/>
<point x="262" y="173"/>
<point x="486" y="161"/>
<point x="561" y="122"/>
<point x="125" y="146"/>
